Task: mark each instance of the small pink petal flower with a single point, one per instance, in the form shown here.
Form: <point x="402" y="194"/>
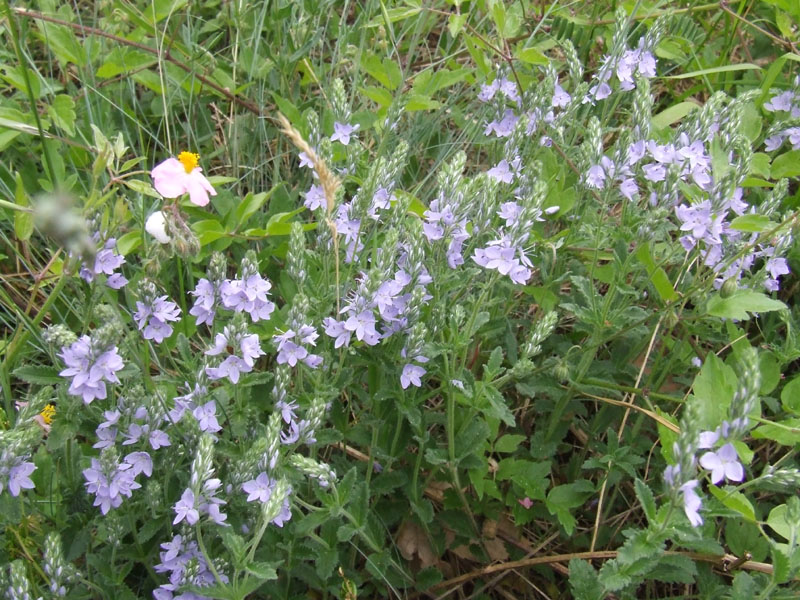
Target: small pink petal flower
<point x="175" y="177"/>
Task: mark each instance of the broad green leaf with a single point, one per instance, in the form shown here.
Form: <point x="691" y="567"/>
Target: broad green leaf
<point x="288" y="109"/>
<point x="208" y="231"/>
<point x="713" y="389"/>
<point x="380" y="96"/>
<point x="786" y="165"/>
<point x="129" y="242"/>
<point x="740" y="304"/>
<point x="531" y="56"/>
<point x="123" y="60"/>
<point x="786" y="433"/>
<point x="38" y="375"/>
<point x="760" y="165"/>
<point x="584" y="581"/>
<point x="250" y="204"/>
<point x="62" y="112"/>
<point x="779" y="523"/>
<point x="386" y="72"/>
<point x="790" y="396"/>
<point x="417" y="102"/>
<point x="455" y="22"/>
<point x="509" y="443"/>
<point x="752" y="223"/>
<point x="673" y="114"/>
<point x="736" y="501"/>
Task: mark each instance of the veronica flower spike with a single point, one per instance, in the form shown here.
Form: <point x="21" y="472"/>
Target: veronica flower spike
<point x="178" y="176"/>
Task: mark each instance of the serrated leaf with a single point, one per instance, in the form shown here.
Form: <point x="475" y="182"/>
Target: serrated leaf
<point x="62" y="112"/>
<point x="646" y="499"/>
<point x="38" y="375"/>
<point x="779" y="523"/>
<point x="740" y="304"/>
<point x="584" y="581"/>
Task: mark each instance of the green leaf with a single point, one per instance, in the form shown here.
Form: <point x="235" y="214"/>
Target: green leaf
<point x="249" y="205"/>
<point x="141" y="187"/>
<point x="289" y="110"/>
<point x="786" y="165"/>
<point x="124" y="60"/>
<point x="455" y="23"/>
<point x="742" y="302"/>
<point x="584" y="581"/>
<point x="38" y="375"/>
<point x="790" y="396"/>
<point x="509" y="443"/>
<point x="380" y="96"/>
<point x="779" y="523"/>
<point x="713" y="388"/>
<point x="760" y="165"/>
<point x="208" y="230"/>
<point x="562" y="498"/>
<point x="646" y="499"/>
<point x="532" y="477"/>
<point x="418" y="102"/>
<point x="658" y="276"/>
<point x="129" y="242"/>
<point x="386" y="72"/>
<point x="393" y="15"/>
<point x="62" y="112"/>
<point x="736" y="501"/>
<point x="786" y="433"/>
<point x="673" y="114"/>
<point x="531" y="56"/>
<point x="23" y="221"/>
<point x="752" y="223"/>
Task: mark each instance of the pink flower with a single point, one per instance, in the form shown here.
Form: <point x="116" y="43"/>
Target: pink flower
<point x="178" y="176"/>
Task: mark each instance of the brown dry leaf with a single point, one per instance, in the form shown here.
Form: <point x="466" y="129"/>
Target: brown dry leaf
<point x="412" y="542"/>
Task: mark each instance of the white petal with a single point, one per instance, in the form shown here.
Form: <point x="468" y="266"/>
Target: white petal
<point x="156" y="225"/>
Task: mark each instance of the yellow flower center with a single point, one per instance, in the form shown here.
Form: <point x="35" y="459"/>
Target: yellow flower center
<point x="189" y="160"/>
<point x="48" y="413"/>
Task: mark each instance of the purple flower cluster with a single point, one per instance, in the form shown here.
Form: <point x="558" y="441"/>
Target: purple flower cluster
<point x="248" y="294"/>
<point x="153" y="318"/>
<point x="342" y="132"/>
<point x="205" y="414"/>
<point x="292" y="347"/>
<point x="639" y="60"/>
<point x="180" y="558"/>
<point x="90" y="365"/>
<point x="207" y="298"/>
<point x="241" y="350"/>
<point x="191" y="506"/>
<point x="506" y="254"/>
<point x="110" y="480"/>
<point x="446" y="220"/>
<point x="139" y="424"/>
<point x="784" y="102"/>
<point x="260" y="489"/>
<point x="106" y="261"/>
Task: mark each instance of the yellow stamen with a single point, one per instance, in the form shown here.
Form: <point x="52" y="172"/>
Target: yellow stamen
<point x="48" y="413"/>
<point x="189" y="160"/>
